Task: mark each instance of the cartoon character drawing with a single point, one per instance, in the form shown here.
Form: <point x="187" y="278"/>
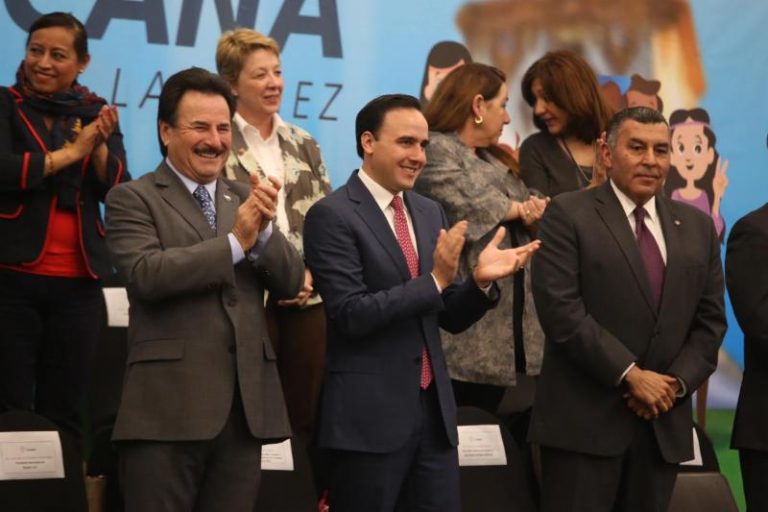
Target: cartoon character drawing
<point x="697" y="175"/>
<point x="443" y="58"/>
<point x="644" y="93"/>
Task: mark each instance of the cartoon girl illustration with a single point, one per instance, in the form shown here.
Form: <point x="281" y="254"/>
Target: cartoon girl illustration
<point x="697" y="175"/>
<point x="443" y="58"/>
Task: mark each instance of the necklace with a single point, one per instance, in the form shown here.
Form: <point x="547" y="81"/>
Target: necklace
<point x="581" y="174"/>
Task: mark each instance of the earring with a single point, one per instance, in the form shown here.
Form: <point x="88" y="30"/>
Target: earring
<point x="82" y="71"/>
<point x="478" y="120"/>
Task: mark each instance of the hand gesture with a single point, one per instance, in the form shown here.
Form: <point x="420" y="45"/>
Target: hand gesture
<point x="304" y="295"/>
<point x="533" y="209"/>
<point x="494" y="263"/>
<point x="720" y="180"/>
<point x="640" y="409"/>
<point x="88" y="138"/>
<point x="656" y="391"/>
<point x="265" y="194"/>
<point x="447" y="251"/>
<point x="248" y="223"/>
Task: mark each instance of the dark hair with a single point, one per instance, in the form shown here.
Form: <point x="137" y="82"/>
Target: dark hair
<point x="451" y="104"/>
<point x="371" y="116"/>
<point x="65" y="20"/>
<point x="674" y="179"/>
<point x="642" y="115"/>
<point x="192" y="79"/>
<point x="443" y="55"/>
<point x="569" y="83"/>
<point x="647" y="87"/>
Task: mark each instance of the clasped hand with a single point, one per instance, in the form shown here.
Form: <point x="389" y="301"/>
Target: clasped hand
<point x="492" y="263"/>
<point x="650" y="393"/>
<point x="94" y="135"/>
<point x="256" y="212"/>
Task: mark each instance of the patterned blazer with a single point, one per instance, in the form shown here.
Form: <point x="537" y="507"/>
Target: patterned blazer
<point x="479" y="188"/>
<point x="305" y="180"/>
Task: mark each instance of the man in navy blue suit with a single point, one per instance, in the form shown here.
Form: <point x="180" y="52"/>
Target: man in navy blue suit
<point x="385" y="262"/>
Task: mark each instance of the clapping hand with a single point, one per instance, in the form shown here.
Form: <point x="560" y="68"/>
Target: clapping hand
<point x="494" y="263"/>
<point x="447" y="252"/>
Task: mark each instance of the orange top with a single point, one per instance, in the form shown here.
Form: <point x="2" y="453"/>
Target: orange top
<point x="62" y="256"/>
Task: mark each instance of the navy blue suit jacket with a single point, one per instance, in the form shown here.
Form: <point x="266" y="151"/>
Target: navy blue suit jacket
<point x="379" y="319"/>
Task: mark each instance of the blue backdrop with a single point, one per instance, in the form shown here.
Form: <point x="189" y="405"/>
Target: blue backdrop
<point x="339" y="54"/>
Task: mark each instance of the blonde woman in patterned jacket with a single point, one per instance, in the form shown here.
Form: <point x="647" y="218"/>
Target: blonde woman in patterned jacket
<point x="264" y="144"/>
<point x="474" y="179"/>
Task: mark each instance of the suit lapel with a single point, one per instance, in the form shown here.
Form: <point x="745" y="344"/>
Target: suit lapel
<point x="226" y="207"/>
<point x="670" y="226"/>
<point x="173" y="192"/>
<point x="36" y="126"/>
<point x="372" y="215"/>
<point x="610" y="210"/>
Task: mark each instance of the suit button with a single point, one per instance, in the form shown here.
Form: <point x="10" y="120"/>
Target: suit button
<point x="232" y="349"/>
<point x="232" y="302"/>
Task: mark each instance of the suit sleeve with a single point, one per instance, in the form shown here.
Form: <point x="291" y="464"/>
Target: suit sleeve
<point x="20" y="171"/>
<point x="154" y="272"/>
<point x="335" y="261"/>
<point x="746" y="270"/>
<point x="117" y="171"/>
<point x="698" y="357"/>
<point x="280" y="267"/>
<point x="567" y="324"/>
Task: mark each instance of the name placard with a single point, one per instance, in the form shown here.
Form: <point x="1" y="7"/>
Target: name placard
<point x="481" y="445"/>
<point x="277" y="457"/>
<point x="30" y="455"/>
<point x="117" y="306"/>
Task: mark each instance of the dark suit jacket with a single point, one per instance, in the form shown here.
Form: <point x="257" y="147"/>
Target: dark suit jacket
<point x="379" y="319"/>
<point x="594" y="302"/>
<point x="27" y="196"/>
<point x="746" y="271"/>
<point x="546" y="167"/>
<point x="197" y="324"/>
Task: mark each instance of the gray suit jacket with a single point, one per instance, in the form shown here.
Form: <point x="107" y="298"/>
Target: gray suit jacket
<point x="197" y="324"/>
<point x="594" y="303"/>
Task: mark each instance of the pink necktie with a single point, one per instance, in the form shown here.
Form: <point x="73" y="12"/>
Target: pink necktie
<point x="406" y="245"/>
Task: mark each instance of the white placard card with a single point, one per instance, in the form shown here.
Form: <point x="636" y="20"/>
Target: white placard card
<point x="696" y="460"/>
<point x="481" y="445"/>
<point x="30" y="455"/>
<point x="277" y="457"/>
<point x="117" y="307"/>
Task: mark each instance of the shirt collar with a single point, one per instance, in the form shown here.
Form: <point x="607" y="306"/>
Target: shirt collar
<point x="192" y="184"/>
<point x="278" y="126"/>
<point x="381" y="195"/>
<point x="629" y="205"/>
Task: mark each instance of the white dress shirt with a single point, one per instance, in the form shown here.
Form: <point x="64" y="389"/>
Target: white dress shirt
<point x="383" y="198"/>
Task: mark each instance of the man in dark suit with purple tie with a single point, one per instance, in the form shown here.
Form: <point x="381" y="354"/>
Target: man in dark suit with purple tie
<point x="629" y="290"/>
<point x="384" y="261"/>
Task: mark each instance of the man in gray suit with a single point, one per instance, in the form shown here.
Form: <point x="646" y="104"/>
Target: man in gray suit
<point x="201" y="392"/>
<point x="628" y="285"/>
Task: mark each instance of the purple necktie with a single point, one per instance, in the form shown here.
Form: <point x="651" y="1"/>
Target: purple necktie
<point x="406" y="245"/>
<point x="649" y="249"/>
